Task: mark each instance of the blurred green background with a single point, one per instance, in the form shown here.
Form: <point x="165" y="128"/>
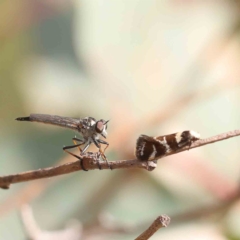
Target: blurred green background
<point x="150" y="66"/>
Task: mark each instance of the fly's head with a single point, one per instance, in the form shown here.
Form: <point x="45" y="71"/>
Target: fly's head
<point x="92" y="128"/>
<point x="101" y="127"/>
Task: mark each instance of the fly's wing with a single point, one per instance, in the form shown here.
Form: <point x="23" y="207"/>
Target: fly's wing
<point x="66" y="122"/>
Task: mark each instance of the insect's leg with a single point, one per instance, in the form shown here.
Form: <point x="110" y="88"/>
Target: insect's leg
<point x="104" y="142"/>
<point x="74" y="155"/>
<point x="102" y="152"/>
<point x="86" y="147"/>
<point x="96" y="142"/>
<point x="75" y="140"/>
<point x="69" y="147"/>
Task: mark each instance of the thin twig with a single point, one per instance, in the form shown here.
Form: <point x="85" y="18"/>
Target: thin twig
<point x="73" y="231"/>
<point x="91" y="164"/>
<point x="160" y="222"/>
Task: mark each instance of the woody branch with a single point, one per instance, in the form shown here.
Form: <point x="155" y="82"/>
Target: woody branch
<point x="91" y="163"/>
<point x="160" y="222"/>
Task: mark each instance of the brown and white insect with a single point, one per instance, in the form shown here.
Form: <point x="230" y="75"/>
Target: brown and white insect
<point x="152" y="148"/>
<point x="90" y="129"/>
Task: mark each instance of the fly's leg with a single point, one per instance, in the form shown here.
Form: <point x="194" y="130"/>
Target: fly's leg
<point x="72" y="146"/>
<point x="74" y="155"/>
<point x="75" y="140"/>
<point x="86" y="147"/>
<point x="102" y="152"/>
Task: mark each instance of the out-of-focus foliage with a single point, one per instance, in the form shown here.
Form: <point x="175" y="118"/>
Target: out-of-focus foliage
<point x="153" y="67"/>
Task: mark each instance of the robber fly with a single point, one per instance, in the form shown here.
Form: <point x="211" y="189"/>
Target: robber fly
<point x="90" y="129"/>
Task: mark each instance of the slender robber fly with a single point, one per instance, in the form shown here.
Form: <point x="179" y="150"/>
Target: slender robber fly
<point x="90" y="129"/>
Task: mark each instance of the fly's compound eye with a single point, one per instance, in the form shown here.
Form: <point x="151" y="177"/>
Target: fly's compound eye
<point x="99" y="126"/>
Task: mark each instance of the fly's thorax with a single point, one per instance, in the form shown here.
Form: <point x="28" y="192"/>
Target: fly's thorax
<point x="91" y="128"/>
<point x="88" y="133"/>
<point x="88" y="122"/>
